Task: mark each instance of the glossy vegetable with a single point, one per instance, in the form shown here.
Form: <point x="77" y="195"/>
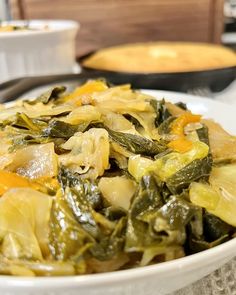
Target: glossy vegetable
<point x="24" y="223"/>
<point x="107" y="178"/>
<point x="181" y="143"/>
<point x="10" y="180"/>
<point x="219" y="198"/>
<point x="118" y="190"/>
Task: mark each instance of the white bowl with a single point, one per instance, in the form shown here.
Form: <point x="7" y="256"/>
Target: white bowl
<point x="150" y="280"/>
<point x="40" y="51"/>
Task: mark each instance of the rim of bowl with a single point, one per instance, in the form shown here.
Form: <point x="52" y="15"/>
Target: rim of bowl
<point x="99" y="279"/>
<point x="57" y="26"/>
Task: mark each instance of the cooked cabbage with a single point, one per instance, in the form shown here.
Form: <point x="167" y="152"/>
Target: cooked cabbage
<point x="106" y="178"/>
<point x="223" y="145"/>
<point x="169" y="164"/>
<point x="88" y="150"/>
<point x="118" y="190"/>
<point x="34" y="161"/>
<point x="218" y="197"/>
<point x="86" y="113"/>
<point x="24" y="224"/>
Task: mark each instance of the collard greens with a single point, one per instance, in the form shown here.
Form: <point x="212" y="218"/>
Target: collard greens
<point x="107" y="178"/>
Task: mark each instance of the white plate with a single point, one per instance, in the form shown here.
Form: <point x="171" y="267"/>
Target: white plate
<point x="150" y="280"/>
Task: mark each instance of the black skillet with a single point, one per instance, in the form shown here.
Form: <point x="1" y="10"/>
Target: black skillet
<point x="215" y="80"/>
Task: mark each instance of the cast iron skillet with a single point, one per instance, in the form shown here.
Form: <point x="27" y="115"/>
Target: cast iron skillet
<point x="215" y="80"/>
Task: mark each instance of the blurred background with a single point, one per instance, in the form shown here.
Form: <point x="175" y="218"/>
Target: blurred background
<point x="111" y="22"/>
<point x="106" y="23"/>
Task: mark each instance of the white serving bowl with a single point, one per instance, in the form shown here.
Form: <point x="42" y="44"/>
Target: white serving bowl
<point x="40" y="51"/>
<point x="156" y="279"/>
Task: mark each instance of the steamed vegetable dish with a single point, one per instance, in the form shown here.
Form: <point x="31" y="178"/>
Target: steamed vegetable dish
<point x="108" y="178"/>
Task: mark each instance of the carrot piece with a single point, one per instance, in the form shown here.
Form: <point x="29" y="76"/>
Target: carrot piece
<point x="86" y="89"/>
<point x="10" y="180"/>
<point x="177" y="127"/>
<point x="181" y="144"/>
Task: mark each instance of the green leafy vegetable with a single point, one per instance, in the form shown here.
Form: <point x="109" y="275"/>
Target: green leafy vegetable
<point x="51" y="94"/>
<point x="66" y="234"/>
<point x="161" y="110"/>
<point x="83" y="197"/>
<point x="137" y="144"/>
<point x="178" y="212"/>
<point x="111" y="245"/>
<point x="101" y="179"/>
<point x="203" y="134"/>
<point x="61" y="129"/>
<point x="155" y="227"/>
<point x="84" y="186"/>
<point x="181" y="105"/>
<point x="195" y="171"/>
<point x="164" y="127"/>
<point x="23" y="121"/>
<point x="146" y="200"/>
<point x="133" y="120"/>
<point x="214" y="227"/>
<point x="197" y="245"/>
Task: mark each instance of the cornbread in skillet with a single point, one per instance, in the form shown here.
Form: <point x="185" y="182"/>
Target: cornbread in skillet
<point x="161" y="57"/>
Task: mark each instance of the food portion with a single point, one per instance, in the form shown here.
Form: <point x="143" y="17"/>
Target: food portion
<point x="6" y="27"/>
<point x="10" y="28"/>
<point x="108" y="178"/>
<point x="161" y="57"/>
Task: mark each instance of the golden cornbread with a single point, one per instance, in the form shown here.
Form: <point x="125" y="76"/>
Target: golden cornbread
<point x="161" y="57"/>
